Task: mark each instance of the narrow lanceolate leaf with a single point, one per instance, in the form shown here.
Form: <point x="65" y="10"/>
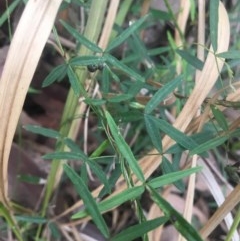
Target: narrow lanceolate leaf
<point x="119" y="65"/>
<point x="90" y="45"/>
<point x="66" y="156"/>
<point x="115" y="201"/>
<point x="119" y="98"/>
<point x="231" y="54"/>
<point x="100" y="174"/>
<point x="30" y="219"/>
<point x="56" y="74"/>
<point x="161" y="94"/>
<point x="88" y="200"/>
<point x="72" y="145"/>
<point x="168" y="168"/>
<point x="181" y="138"/>
<point x="73" y="81"/>
<point x="153" y="132"/>
<point x="192" y="60"/>
<point x="139" y="230"/>
<point x="219" y="117"/>
<point x="172" y="177"/>
<point x="217" y="141"/>
<point x="43" y="131"/>
<point x="185" y="228"/>
<point x="87" y="60"/>
<point x="213" y="17"/>
<point x="125" y="34"/>
<point x="123" y="147"/>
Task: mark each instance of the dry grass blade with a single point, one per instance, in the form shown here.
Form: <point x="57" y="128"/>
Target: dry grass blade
<point x="24" y="53"/>
<point x="230" y="202"/>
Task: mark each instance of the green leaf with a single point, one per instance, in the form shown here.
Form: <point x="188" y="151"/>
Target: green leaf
<point x="8" y="11"/>
<point x="168" y="168"/>
<point x="139" y="230"/>
<point x="133" y="115"/>
<point x="55" y="232"/>
<point x="31" y="219"/>
<point x="212" y="143"/>
<point x="213" y="18"/>
<point x="158" y="51"/>
<point x="231" y="54"/>
<point x="95" y="102"/>
<point x="172" y="177"/>
<point x="219" y="117"/>
<point x="100" y="149"/>
<point x="29" y="179"/>
<point x="66" y="156"/>
<point x="87" y="60"/>
<point x="126" y="33"/>
<point x="56" y="74"/>
<point x="90" y="45"/>
<point x="43" y="131"/>
<point x="115" y="201"/>
<point x="161" y="14"/>
<point x="105" y="82"/>
<point x="123" y="147"/>
<point x="100" y="174"/>
<point x="192" y="60"/>
<point x="72" y="145"/>
<point x="5" y="213"/>
<point x="161" y="94"/>
<point x="112" y="180"/>
<point x="88" y="200"/>
<point x="73" y="81"/>
<point x="181" y="138"/>
<point x="154" y="133"/>
<point x="119" y="98"/>
<point x="118" y="64"/>
<point x="185" y="228"/>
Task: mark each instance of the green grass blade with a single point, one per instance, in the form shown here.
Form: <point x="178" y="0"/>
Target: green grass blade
<point x="90" y="45"/>
<point x="213" y="18"/>
<point x="123" y="147"/>
<point x="139" y="230"/>
<point x="190" y="59"/>
<point x="161" y="94"/>
<point x="125" y="34"/>
<point x="4" y="212"/>
<point x="56" y="74"/>
<point x="43" y="131"/>
<point x="185" y="228"/>
<point x="167" y="179"/>
<point x="87" y="198"/>
<point x="115" y="201"/>
<point x="153" y="132"/>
